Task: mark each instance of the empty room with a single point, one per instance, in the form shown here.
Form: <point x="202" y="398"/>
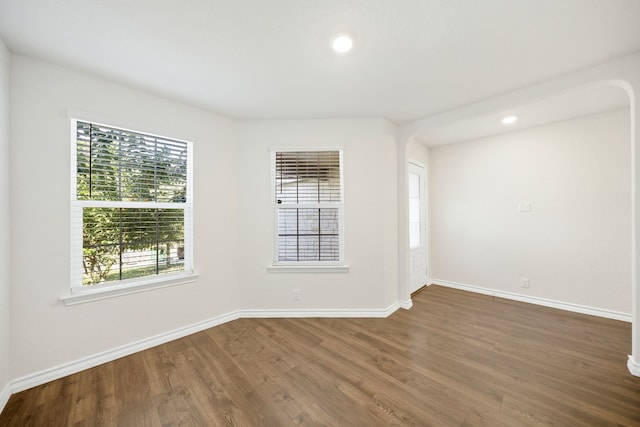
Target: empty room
<point x="342" y="213"/>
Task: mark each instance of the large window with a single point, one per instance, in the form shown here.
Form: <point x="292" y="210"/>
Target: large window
<point x="308" y="204"/>
<point x="131" y="205"/>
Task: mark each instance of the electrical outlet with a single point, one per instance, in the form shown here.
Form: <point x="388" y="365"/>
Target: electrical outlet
<point x="524" y="282"/>
<point x="296" y="294"/>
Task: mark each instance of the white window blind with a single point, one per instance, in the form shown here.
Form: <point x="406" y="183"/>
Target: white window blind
<point x="308" y="200"/>
<point x="131" y="203"/>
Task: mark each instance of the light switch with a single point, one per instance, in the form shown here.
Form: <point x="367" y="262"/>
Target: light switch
<point x="524" y="207"/>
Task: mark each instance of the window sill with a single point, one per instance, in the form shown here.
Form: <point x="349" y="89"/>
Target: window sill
<point x="83" y="295"/>
<point x="308" y="268"/>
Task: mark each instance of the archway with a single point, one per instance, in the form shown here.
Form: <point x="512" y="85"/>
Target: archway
<point x="623" y="74"/>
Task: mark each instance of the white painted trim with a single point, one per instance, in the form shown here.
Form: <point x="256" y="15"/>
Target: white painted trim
<point x="308" y="268"/>
<point x="5" y="394"/>
<point x="309" y="313"/>
<point x="576" y="308"/>
<point x="132" y="205"/>
<point x="417" y="163"/>
<point x="81" y="295"/>
<point x="634" y="367"/>
<point x="102" y="119"/>
<point x="303" y="148"/>
<point x="406" y="304"/>
<point x="56" y="372"/>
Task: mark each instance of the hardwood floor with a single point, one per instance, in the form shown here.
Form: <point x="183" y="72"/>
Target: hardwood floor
<point x="454" y="359"/>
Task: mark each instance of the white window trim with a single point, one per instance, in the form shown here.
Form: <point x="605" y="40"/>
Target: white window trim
<point x="125" y="287"/>
<point x="80" y="294"/>
<point x="308" y="266"/>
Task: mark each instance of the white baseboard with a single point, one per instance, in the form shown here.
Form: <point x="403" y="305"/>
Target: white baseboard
<point x="363" y="313"/>
<point x="634" y="367"/>
<point x="576" y="308"/>
<point x="78" y="365"/>
<point x="406" y="304"/>
<point x="56" y="372"/>
<point x="5" y="394"/>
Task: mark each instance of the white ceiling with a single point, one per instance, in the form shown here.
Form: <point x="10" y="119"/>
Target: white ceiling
<point x="569" y="104"/>
<point x="263" y="59"/>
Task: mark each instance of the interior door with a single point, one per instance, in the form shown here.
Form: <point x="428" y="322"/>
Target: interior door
<point x="417" y="227"/>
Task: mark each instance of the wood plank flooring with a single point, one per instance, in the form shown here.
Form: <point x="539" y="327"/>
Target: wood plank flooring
<point x="454" y="359"/>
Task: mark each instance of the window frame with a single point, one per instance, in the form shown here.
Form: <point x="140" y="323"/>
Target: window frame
<point x="339" y="265"/>
<point x="81" y="293"/>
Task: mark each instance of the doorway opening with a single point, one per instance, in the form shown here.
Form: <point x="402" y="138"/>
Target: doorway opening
<point x="418" y="274"/>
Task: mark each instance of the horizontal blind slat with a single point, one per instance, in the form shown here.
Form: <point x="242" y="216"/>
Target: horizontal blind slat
<point x="115" y="164"/>
<point x="303" y="177"/>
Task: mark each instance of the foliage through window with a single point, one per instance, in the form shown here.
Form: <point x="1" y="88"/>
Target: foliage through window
<point x="132" y="204"/>
<point x="309" y="206"/>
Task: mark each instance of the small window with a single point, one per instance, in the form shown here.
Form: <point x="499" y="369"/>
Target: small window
<point x="308" y="203"/>
<point x="131" y="205"/>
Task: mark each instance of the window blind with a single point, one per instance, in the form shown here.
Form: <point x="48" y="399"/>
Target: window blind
<point x="132" y="193"/>
<point x="308" y="199"/>
<point x="115" y="164"/>
<point x="308" y="177"/>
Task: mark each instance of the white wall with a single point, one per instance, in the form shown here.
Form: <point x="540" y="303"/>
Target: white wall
<point x="370" y="216"/>
<point x="45" y="332"/>
<point x="4" y="220"/>
<point x="574" y="245"/>
<point x="417" y="151"/>
<point x="232" y="218"/>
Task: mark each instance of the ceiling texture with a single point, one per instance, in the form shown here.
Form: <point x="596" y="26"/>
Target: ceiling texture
<point x="272" y="59"/>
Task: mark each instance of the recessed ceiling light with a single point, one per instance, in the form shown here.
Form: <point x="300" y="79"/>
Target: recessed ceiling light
<point x="507" y="120"/>
<point x="342" y="43"/>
